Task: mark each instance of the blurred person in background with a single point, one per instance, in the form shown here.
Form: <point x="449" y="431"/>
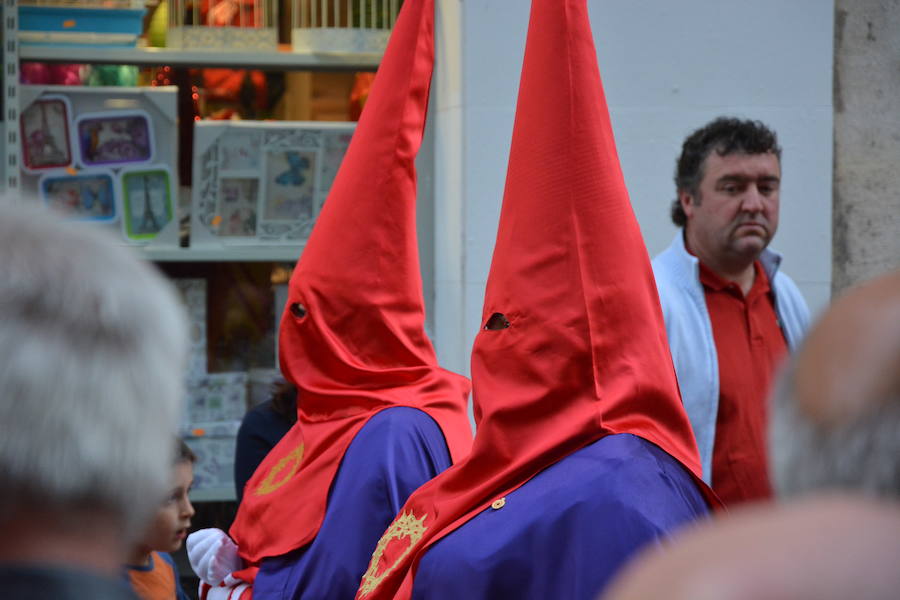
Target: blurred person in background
<point x="261" y="429"/>
<point x="150" y="567"/>
<point x="92" y="348"/>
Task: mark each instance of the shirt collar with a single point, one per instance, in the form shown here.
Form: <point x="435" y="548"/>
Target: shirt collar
<point x="714" y="282"/>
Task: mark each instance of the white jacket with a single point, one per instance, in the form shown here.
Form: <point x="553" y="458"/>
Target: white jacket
<point x="690" y="334"/>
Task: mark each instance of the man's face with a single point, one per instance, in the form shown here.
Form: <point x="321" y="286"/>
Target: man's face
<point x="735" y="214"/>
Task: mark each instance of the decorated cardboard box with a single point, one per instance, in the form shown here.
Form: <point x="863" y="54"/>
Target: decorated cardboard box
<point x="216" y="404"/>
<point x="193" y="294"/>
<point x="214" y="445"/>
<point x="217" y="397"/>
<point x="262" y="183"/>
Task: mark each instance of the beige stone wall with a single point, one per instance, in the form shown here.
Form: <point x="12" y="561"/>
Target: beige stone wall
<point x="866" y="218"/>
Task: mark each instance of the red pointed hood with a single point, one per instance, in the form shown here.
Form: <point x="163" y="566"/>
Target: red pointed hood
<point x="352" y="336"/>
<point x="573" y="345"/>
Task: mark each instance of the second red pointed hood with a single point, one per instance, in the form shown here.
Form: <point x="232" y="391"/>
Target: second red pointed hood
<point x="573" y="345"/>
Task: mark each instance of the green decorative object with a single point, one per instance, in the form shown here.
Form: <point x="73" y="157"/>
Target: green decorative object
<point x="121" y="75"/>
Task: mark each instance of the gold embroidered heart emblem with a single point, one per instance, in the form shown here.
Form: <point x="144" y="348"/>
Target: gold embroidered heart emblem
<point x="396" y="543"/>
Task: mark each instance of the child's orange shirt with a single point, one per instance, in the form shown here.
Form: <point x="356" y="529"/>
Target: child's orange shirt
<point x="156" y="581"/>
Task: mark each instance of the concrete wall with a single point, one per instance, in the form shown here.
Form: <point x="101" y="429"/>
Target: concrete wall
<point x="668" y="67"/>
<point x="866" y="140"/>
<point x="446" y="305"/>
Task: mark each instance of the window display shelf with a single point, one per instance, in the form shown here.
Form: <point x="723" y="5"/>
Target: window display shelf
<point x="225" y="494"/>
<point x="281" y="60"/>
<point x="231" y="254"/>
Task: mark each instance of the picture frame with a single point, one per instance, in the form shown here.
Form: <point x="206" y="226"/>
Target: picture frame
<point x="238" y="207"/>
<point x="87" y="195"/>
<point x="262" y="183"/>
<point x="289" y="184"/>
<point x="148" y="203"/>
<point x="45" y="130"/>
<point x="114" y="138"/>
<point x="240" y="153"/>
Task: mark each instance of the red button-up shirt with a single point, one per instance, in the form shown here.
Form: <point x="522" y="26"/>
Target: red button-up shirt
<point x="750" y="345"/>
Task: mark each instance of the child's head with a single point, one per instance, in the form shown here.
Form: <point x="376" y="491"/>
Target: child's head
<point x="170" y="525"/>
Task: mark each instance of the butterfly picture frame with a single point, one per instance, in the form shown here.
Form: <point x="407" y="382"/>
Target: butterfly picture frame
<point x="289" y="185"/>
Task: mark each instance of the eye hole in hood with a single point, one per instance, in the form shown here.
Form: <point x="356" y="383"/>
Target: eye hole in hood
<point x="497" y="321"/>
<point x="298" y="310"/>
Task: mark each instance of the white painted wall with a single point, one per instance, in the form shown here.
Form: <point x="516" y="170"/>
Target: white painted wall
<point x="668" y="68"/>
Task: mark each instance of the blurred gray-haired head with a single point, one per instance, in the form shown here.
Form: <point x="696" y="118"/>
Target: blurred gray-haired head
<point x="836" y="408"/>
<point x="92" y="348"/>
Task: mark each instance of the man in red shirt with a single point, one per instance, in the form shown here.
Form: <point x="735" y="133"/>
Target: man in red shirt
<point x="835" y="457"/>
<point x="730" y="314"/>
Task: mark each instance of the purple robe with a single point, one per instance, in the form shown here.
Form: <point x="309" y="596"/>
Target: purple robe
<point x="398" y="450"/>
<point x="566" y="531"/>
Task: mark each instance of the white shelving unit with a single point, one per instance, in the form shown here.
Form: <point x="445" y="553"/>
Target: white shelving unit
<point x="12" y="54"/>
<point x="232" y="254"/>
<point x="10" y="78"/>
<point x="274" y="61"/>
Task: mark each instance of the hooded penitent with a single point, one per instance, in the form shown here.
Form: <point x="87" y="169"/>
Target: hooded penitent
<point x="573" y="345"/>
<point x="352" y="335"/>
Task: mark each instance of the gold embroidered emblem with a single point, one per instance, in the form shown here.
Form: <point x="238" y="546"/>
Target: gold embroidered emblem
<point x="292" y="460"/>
<point x="404" y="526"/>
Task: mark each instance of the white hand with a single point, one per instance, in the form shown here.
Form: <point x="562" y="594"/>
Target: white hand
<point x="213" y="555"/>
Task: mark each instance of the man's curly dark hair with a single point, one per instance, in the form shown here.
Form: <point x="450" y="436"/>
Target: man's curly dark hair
<point x="725" y="135"/>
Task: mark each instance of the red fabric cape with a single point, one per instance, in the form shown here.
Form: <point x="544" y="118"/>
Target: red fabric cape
<point x="352" y="335"/>
<point x="585" y="353"/>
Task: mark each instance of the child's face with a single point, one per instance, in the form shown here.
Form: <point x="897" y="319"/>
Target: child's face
<point x="170" y="526"/>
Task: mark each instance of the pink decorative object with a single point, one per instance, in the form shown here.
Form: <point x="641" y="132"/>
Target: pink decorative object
<point x="66" y="74"/>
<point x="35" y="73"/>
<point x="51" y="74"/>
